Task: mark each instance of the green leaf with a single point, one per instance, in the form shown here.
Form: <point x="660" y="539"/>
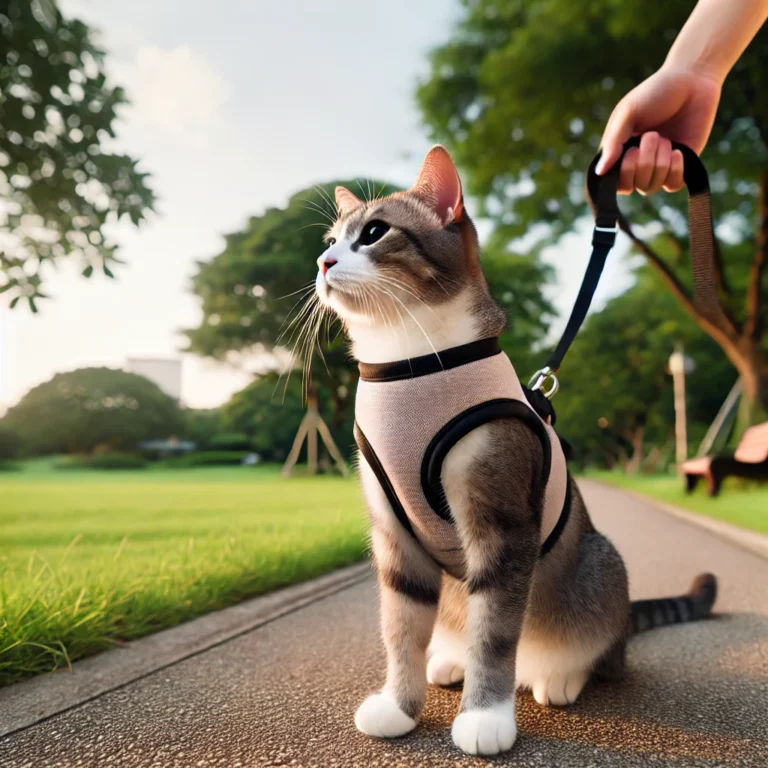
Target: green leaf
<point x="45" y="51"/>
<point x="108" y="271"/>
<point x="15" y="301"/>
<point x="32" y="304"/>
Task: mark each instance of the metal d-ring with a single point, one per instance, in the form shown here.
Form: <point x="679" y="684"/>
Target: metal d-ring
<point x="540" y="378"/>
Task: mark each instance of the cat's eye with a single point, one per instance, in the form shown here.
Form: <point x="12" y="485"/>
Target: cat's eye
<point x="373" y="231"/>
<point x="330" y="241"/>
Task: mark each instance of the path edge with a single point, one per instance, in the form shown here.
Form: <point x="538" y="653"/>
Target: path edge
<point x="29" y="702"/>
<point x="752" y="541"/>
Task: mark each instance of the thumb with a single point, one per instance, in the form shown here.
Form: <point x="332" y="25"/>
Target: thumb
<point x="618" y="130"/>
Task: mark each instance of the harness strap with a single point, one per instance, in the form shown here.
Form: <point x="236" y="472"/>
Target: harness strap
<point x="602" y="192"/>
<point x="438" y="449"/>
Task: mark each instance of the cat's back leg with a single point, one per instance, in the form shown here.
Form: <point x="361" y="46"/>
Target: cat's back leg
<point x="578" y="614"/>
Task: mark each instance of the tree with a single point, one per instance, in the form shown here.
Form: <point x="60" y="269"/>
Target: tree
<point x="272" y="418"/>
<point x="521" y="94"/>
<point x="200" y="426"/>
<point x="89" y="408"/>
<point x="59" y="186"/>
<point x="616" y="397"/>
<point x="10" y="443"/>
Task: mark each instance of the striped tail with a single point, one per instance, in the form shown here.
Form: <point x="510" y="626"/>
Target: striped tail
<point x="697" y="604"/>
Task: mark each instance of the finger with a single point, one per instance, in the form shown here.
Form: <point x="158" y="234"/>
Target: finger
<point x="646" y="161"/>
<point x="617" y="131"/>
<point x="661" y="170"/>
<point x="675" y="181"/>
<point x="627" y="173"/>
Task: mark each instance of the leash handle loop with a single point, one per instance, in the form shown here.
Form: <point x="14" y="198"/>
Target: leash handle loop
<point x="602" y="195"/>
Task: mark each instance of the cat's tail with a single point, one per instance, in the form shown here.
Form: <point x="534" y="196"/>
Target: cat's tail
<point x="697" y="604"/>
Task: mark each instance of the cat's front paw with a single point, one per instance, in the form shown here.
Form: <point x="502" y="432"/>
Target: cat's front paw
<point x="380" y="716"/>
<point x="486" y="731"/>
<point x="444" y="670"/>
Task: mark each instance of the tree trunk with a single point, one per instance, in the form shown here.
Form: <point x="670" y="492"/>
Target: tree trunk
<point x="753" y="408"/>
<point x="742" y="343"/>
<point x="636" y="438"/>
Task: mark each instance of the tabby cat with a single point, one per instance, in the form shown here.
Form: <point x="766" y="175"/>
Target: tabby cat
<point x="490" y="570"/>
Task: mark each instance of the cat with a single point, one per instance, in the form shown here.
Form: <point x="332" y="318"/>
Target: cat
<point x="492" y="589"/>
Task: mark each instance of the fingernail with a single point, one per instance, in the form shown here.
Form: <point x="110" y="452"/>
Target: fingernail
<point x="600" y="165"/>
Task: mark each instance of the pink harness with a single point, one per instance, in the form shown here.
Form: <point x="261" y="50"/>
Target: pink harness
<point x="409" y="414"/>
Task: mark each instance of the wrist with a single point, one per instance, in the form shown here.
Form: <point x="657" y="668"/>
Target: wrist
<point x="699" y="68"/>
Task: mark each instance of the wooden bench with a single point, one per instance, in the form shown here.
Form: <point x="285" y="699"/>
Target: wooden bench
<point x="749" y="460"/>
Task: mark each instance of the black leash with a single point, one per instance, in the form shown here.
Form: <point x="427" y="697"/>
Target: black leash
<point x="602" y="193"/>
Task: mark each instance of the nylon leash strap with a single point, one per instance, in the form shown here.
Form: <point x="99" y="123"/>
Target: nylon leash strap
<point x="602" y="194"/>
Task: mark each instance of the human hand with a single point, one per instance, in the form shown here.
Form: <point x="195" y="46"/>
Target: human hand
<point x="671" y="105"/>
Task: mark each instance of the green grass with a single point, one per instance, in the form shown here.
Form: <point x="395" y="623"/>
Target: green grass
<point x="89" y="559"/>
<point x="739" y="503"/>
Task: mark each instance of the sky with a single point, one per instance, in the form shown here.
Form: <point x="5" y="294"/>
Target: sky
<point x="231" y="112"/>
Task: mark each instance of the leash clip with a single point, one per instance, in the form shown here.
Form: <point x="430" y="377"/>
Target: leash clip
<point x="540" y="378"/>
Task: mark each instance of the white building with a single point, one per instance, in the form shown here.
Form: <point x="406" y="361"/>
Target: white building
<point x="165" y="372"/>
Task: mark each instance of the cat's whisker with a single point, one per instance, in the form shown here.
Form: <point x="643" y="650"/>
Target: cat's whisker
<point x="406" y="289"/>
<point x="418" y="324"/>
<point x="405" y="335"/>
<point x="334" y="208"/>
<point x="312" y="205"/>
<point x="307" y="305"/>
<point x="310" y="286"/>
<point x="310" y="310"/>
<point x="315" y="224"/>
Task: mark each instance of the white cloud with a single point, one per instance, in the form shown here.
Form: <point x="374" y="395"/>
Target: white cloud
<point x="176" y="91"/>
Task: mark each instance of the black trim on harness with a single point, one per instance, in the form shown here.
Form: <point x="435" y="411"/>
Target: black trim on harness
<point x="373" y="462"/>
<point x="432" y="363"/>
<point x="463" y="424"/>
<point x="565" y="513"/>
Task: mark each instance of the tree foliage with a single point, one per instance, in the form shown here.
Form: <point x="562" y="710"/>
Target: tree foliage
<point x="269" y="415"/>
<point x="59" y="184"/>
<point x="201" y="425"/>
<point x="617" y="396"/>
<point x="521" y="93"/>
<point x="89" y="408"/>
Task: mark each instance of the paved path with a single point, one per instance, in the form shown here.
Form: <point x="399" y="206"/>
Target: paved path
<point x="284" y="694"/>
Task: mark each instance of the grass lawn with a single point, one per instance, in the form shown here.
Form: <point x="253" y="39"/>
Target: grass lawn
<point x="740" y="503"/>
<point x="89" y="558"/>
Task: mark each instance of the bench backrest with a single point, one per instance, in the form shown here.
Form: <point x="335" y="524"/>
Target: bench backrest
<point x="753" y="447"/>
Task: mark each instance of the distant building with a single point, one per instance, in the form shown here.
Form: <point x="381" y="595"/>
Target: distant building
<point x="165" y="372"/>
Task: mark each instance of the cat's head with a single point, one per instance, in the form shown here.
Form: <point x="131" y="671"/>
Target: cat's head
<point x="403" y="253"/>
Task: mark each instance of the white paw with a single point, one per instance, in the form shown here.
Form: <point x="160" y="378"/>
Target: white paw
<point x="486" y="731"/>
<point x="444" y="670"/>
<point x="559" y="690"/>
<point x="380" y="716"/>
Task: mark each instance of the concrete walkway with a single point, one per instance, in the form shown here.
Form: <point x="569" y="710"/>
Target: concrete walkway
<point x="284" y="692"/>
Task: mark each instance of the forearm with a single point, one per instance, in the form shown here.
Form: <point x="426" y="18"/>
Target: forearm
<point x="715" y="35"/>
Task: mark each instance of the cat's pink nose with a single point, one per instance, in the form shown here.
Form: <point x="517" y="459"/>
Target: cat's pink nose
<point x="328" y="263"/>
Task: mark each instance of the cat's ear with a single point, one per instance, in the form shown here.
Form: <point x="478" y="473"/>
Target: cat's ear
<point x="346" y="201"/>
<point x="439" y="186"/>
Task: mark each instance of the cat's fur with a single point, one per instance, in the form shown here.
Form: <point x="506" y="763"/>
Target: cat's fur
<point x="515" y="619"/>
